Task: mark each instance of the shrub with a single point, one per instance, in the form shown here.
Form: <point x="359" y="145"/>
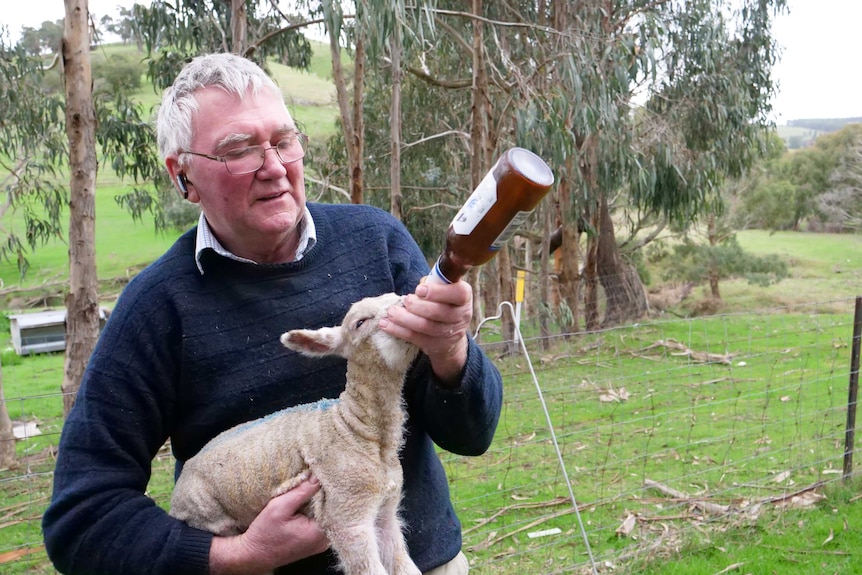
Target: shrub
<point x="119" y="73"/>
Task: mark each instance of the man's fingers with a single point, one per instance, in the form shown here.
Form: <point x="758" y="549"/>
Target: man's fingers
<point x="293" y="500"/>
<point x="457" y="294"/>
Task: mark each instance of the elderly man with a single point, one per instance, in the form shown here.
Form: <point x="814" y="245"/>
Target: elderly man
<point x="192" y="349"/>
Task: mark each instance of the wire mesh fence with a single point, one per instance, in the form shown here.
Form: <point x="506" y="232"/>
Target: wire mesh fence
<point x="612" y="444"/>
<point x="661" y="426"/>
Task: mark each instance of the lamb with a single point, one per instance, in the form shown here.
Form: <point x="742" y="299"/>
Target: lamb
<point x="225" y="486"/>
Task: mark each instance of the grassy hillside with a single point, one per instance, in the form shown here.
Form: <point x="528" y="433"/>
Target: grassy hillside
<point x="310" y="95"/>
<point x="796" y="137"/>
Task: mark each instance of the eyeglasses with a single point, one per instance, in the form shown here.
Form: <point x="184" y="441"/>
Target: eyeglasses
<point x="250" y="158"/>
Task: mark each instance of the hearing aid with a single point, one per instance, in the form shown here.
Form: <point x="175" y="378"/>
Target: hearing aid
<point x="183" y="185"/>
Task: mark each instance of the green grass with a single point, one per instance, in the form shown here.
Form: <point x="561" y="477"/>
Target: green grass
<point x="823" y="268"/>
<point x="726" y="433"/>
<point x="122" y="247"/>
<point x="821" y="540"/>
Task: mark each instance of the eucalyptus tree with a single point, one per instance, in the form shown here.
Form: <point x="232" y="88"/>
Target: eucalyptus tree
<point x="82" y="299"/>
<point x="352" y="118"/>
<point x="32" y="146"/>
<point x="842" y="203"/>
<point x="7" y="433"/>
<point x="653" y="103"/>
<point x="174" y="32"/>
<point x="639" y="103"/>
<point x="46" y="39"/>
<point x="48" y="159"/>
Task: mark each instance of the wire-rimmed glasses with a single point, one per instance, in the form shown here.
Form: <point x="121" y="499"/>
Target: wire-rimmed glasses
<point x="250" y="158"/>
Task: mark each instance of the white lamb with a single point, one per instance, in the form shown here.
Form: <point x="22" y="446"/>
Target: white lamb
<point x="350" y="444"/>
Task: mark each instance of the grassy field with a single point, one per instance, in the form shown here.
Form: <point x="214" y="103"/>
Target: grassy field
<point x="741" y="441"/>
<point x="797" y="136"/>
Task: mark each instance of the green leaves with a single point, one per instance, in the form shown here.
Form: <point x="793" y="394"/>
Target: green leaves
<point x="33" y="154"/>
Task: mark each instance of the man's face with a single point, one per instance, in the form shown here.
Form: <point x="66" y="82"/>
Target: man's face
<point x="253" y="215"/>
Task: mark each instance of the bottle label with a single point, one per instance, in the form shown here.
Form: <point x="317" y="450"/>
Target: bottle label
<point x="477" y="205"/>
<point x="436" y="276"/>
<point x="510" y="230"/>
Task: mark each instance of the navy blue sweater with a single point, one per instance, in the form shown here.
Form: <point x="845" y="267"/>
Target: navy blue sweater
<point x="187" y="355"/>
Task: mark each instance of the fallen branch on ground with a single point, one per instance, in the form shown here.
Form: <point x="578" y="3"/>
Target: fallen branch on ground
<point x="705" y="506"/>
<point x="698" y="356"/>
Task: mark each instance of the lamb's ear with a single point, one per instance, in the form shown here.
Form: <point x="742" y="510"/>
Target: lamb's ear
<point x="324" y="341"/>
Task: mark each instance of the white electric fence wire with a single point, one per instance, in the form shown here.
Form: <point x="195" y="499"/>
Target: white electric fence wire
<point x="519" y="338"/>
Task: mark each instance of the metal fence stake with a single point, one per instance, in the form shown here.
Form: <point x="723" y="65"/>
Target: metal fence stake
<point x="850" y="429"/>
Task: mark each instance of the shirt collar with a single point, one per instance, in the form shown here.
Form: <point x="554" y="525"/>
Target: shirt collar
<point x="206" y="239"/>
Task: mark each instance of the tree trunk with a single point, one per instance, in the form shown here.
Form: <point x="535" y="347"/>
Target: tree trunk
<point x="490" y="293"/>
<point x="712" y="270"/>
<point x="566" y="260"/>
<point x="478" y="296"/>
<point x="545" y="275"/>
<point x="352" y="132"/>
<point x="357" y="136"/>
<point x="591" y="270"/>
<point x="395" y="123"/>
<point x="82" y="301"/>
<point x="7" y="438"/>
<point x="507" y="293"/>
<point x="480" y="160"/>
<point x="238" y="27"/>
<point x="624" y="293"/>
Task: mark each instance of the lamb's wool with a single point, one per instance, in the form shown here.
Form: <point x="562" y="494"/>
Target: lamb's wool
<point x="225" y="486"/>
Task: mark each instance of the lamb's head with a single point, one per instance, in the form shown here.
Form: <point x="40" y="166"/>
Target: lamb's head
<point x="359" y="333"/>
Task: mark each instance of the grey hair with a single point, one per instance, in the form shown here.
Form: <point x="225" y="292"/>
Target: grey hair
<point x="233" y="74"/>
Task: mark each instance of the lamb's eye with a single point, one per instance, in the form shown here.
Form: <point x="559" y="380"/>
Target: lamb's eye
<point x="358" y="324"/>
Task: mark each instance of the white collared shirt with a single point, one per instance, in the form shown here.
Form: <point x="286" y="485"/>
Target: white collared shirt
<point x="206" y="240"/>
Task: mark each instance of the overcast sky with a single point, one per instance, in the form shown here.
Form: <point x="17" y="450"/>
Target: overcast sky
<point x="818" y="74"/>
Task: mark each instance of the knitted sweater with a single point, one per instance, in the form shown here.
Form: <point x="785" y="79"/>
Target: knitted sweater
<point x="187" y="355"/>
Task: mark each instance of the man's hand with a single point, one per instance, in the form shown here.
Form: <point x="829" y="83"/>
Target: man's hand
<point x="278" y="536"/>
<point x="436" y="318"/>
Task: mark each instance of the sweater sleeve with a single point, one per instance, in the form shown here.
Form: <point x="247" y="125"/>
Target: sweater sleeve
<point x="100" y="520"/>
<point x="461" y="420"/>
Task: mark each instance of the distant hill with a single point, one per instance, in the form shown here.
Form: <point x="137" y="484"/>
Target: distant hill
<point x="801" y="133"/>
<point x="824" y="124"/>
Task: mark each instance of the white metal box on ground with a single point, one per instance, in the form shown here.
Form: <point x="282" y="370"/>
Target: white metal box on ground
<point x="43" y="331"/>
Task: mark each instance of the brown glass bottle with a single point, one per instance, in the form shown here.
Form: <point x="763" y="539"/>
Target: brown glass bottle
<point x="493" y="213"/>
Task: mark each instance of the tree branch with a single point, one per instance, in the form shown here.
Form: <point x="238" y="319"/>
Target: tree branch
<point x="452" y="84"/>
<point x="461" y="133"/>
<point x="253" y="48"/>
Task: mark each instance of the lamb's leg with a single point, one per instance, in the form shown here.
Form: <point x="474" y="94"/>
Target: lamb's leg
<point x="355" y="545"/>
<point x="393" y="547"/>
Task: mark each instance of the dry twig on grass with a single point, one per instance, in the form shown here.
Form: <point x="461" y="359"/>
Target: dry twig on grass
<point x="698" y="356"/>
<point x="493" y="539"/>
<point x="530" y="505"/>
<point x="705" y="506"/>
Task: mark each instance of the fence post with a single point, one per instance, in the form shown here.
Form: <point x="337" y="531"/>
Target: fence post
<point x="850" y="429"/>
<point x="519" y="300"/>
